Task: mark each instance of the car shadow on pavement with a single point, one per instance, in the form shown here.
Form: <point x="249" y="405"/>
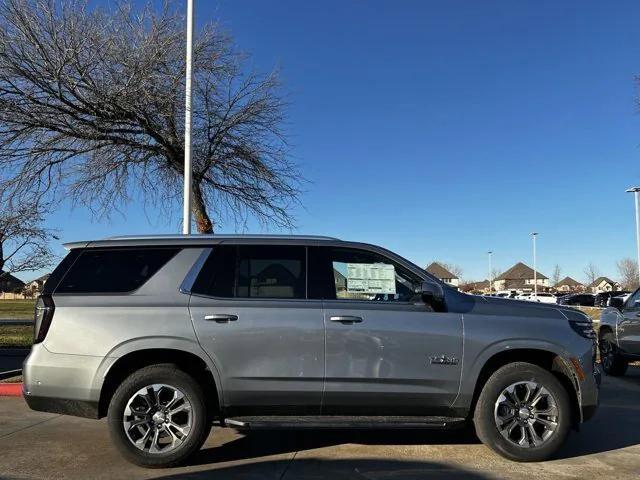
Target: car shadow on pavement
<point x="274" y="442"/>
<point x="352" y="468"/>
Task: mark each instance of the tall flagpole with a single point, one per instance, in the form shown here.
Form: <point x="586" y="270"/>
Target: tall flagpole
<point x="186" y="222"/>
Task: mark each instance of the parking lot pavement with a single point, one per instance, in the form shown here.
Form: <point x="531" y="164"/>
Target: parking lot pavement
<point x="37" y="445"/>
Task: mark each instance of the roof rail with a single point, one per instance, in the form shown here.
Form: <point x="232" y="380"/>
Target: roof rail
<point x="218" y="236"/>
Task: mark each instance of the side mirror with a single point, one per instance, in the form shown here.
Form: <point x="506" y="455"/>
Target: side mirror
<point x="432" y="291"/>
<point x="616" y="302"/>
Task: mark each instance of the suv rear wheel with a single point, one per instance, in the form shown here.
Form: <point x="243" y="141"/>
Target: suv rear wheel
<point x="523" y="413"/>
<point x="612" y="362"/>
<point x="157" y="416"/>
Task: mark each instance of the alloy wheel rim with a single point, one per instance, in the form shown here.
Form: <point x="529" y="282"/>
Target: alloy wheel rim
<point x="158" y="418"/>
<point x="526" y="414"/>
<point x="606" y="353"/>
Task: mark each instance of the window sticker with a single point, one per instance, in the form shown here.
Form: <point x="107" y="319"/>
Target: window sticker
<point x="373" y="278"/>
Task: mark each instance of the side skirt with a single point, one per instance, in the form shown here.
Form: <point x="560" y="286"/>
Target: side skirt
<point x="338" y="422"/>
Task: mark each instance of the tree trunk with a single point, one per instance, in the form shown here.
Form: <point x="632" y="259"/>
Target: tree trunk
<point x="203" y="222"/>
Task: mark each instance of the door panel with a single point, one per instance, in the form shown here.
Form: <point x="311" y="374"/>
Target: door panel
<point x="270" y="358"/>
<point x="629" y="326"/>
<point x="383" y="365"/>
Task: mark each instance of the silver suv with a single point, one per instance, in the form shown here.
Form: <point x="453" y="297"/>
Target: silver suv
<point x="170" y="335"/>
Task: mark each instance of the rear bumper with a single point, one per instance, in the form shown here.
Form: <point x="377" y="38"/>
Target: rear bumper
<point x="61" y="383"/>
<point x="77" y="408"/>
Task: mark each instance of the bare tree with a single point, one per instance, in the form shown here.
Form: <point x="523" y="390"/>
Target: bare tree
<point x="591" y="272"/>
<point x="557" y="273"/>
<point x="628" y="272"/>
<point x="24" y="243"/>
<point x="92" y="109"/>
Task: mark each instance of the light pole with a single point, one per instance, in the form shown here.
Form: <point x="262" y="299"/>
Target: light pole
<point x="636" y="192"/>
<point x="535" y="266"/>
<point x="186" y="210"/>
<point x="490" y="271"/>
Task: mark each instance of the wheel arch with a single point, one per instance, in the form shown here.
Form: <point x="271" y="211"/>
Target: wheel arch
<point x="187" y="361"/>
<point x="546" y="359"/>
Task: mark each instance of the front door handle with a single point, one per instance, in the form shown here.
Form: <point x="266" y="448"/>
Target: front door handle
<point x="221" y="318"/>
<point x="346" y="319"/>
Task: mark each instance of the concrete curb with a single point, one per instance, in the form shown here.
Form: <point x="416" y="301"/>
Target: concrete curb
<point x="10" y="389"/>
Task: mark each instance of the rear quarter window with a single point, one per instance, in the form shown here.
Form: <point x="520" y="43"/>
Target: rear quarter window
<point x="113" y="270"/>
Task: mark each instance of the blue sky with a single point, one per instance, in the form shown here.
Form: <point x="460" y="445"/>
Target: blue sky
<point x="443" y="129"/>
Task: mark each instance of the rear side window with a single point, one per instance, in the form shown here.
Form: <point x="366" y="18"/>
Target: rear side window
<point x="114" y="270"/>
<point x="254" y="271"/>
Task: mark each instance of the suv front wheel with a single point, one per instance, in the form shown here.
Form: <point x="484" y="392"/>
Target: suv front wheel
<point x="157" y="416"/>
<point x="612" y="362"/>
<point x="523" y="413"/>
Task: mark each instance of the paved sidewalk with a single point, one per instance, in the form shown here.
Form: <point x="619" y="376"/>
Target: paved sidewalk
<point x="42" y="446"/>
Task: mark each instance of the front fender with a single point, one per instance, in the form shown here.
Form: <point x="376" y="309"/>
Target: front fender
<point x="474" y="362"/>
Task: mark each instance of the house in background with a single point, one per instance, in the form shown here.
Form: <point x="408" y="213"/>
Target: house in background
<point x="35" y="286"/>
<point x="10" y="286"/>
<point x="604" y="284"/>
<point x="520" y="277"/>
<point x="475" y="287"/>
<point x="443" y="274"/>
<point x="568" y="284"/>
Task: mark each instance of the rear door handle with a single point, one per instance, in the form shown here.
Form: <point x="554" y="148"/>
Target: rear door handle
<point x="221" y="318"/>
<point x="346" y="319"/>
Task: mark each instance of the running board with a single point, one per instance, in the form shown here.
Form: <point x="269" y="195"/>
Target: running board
<point x="326" y="421"/>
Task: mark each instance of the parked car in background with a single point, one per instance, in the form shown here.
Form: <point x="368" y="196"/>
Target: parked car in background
<point x="578" y="299"/>
<point x="543" y="297"/>
<point x="619" y="335"/>
<point x="168" y="335"/>
<point x="523" y="296"/>
<point x="602" y="299"/>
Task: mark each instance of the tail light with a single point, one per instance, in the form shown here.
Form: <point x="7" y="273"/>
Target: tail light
<point x="43" y="317"/>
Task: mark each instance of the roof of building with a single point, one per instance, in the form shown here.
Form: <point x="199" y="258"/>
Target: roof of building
<point x="9" y="283"/>
<point x="475" y="285"/>
<point x="599" y="280"/>
<point x="43" y="278"/>
<point x="568" y="281"/>
<point x="439" y="271"/>
<point x="520" y="271"/>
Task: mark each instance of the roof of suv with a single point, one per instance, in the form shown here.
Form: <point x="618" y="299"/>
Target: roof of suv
<point x="197" y="239"/>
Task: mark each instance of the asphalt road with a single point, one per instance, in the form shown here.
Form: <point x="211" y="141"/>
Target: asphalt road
<point x="39" y="446"/>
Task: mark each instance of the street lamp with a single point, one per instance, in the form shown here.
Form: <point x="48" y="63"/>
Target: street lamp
<point x="535" y="266"/>
<point x="490" y="272"/>
<point x="636" y="192"/>
<point x="186" y="207"/>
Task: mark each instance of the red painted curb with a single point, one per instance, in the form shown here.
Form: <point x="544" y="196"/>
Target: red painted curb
<point x="10" y="389"/>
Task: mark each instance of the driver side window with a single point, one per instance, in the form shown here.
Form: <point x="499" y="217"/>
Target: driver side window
<point x="362" y="275"/>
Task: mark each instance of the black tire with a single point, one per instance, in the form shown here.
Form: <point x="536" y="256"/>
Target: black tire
<point x="171" y="375"/>
<point x="486" y="425"/>
<point x="613" y="363"/>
